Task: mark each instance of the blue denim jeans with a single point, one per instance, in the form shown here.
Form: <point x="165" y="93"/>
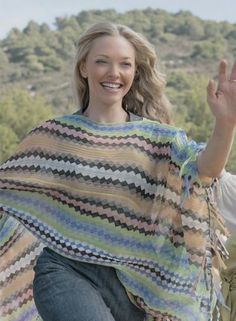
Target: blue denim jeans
<point x="67" y="290"/>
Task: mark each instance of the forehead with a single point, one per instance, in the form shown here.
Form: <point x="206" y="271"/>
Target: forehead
<point x="112" y="45"/>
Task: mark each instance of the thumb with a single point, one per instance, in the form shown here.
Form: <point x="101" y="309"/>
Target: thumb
<point x="211" y="91"/>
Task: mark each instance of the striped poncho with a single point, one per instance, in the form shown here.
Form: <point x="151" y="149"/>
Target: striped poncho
<point x="123" y="195"/>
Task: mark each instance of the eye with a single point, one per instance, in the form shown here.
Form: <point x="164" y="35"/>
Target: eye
<point x="100" y="61"/>
<point x="126" y="64"/>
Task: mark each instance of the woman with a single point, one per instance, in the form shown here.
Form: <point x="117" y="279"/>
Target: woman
<point x="226" y="199"/>
<point x="116" y="195"/>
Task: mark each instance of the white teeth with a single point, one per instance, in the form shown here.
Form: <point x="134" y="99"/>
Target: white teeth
<point x="110" y="85"/>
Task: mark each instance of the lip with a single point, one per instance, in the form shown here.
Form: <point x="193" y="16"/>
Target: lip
<point x="111" y="85"/>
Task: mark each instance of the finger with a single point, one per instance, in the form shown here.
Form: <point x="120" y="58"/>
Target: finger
<point x="211" y="87"/>
<point x="233" y="72"/>
<point x="211" y="90"/>
<point x="222" y="71"/>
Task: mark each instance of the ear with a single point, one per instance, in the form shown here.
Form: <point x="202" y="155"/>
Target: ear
<point x="136" y="75"/>
<point x="83" y="69"/>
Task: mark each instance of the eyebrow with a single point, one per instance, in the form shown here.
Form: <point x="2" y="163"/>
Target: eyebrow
<point x="105" y="56"/>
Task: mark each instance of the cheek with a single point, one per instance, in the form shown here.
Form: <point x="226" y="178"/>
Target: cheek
<point x="129" y="84"/>
<point x="130" y="77"/>
<point x="96" y="71"/>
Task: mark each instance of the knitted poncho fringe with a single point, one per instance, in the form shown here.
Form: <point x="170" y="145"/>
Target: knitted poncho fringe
<point x="124" y="195"/>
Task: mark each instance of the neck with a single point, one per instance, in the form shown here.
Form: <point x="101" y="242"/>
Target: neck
<point x="107" y="115"/>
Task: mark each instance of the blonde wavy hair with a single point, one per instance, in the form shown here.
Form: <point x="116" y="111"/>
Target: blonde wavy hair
<point x="146" y="96"/>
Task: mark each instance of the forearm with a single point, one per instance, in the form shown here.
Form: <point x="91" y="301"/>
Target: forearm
<point x="213" y="158"/>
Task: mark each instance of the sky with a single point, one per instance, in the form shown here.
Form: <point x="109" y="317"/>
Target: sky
<point x="17" y="13"/>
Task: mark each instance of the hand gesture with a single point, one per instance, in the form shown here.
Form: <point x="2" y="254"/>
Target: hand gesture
<point x="222" y="98"/>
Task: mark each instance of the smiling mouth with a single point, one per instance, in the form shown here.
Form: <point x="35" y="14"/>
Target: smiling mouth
<point x="110" y="85"/>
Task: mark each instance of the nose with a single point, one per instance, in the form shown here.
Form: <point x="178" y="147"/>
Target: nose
<point x="114" y="70"/>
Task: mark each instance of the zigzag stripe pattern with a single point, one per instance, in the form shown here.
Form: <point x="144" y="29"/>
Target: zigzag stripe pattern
<point x="112" y="194"/>
<point x="19" y="251"/>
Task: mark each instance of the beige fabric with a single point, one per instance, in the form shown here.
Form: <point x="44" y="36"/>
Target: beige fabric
<point x="226" y="199"/>
<point x="229" y="282"/>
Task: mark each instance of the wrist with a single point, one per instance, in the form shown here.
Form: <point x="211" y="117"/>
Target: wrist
<point x="224" y="127"/>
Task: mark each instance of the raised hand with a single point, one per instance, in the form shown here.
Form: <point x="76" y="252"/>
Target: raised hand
<point x="222" y="97"/>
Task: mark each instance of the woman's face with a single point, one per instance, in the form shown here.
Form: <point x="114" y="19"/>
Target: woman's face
<point x="109" y="69"/>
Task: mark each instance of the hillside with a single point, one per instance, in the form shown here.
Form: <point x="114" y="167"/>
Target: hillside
<point x="39" y="61"/>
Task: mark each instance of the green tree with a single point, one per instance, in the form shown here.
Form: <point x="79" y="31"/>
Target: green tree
<point x="32" y="28"/>
<point x="9" y="141"/>
<point x="211" y="30"/>
<point x="3" y="59"/>
<point x="208" y="50"/>
<point x="19" y="113"/>
<point x="187" y="24"/>
<point x="51" y="62"/>
<point x="33" y="64"/>
<point x="194" y="115"/>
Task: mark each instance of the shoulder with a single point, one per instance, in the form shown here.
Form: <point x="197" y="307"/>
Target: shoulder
<point x="63" y="119"/>
<point x="164" y="128"/>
